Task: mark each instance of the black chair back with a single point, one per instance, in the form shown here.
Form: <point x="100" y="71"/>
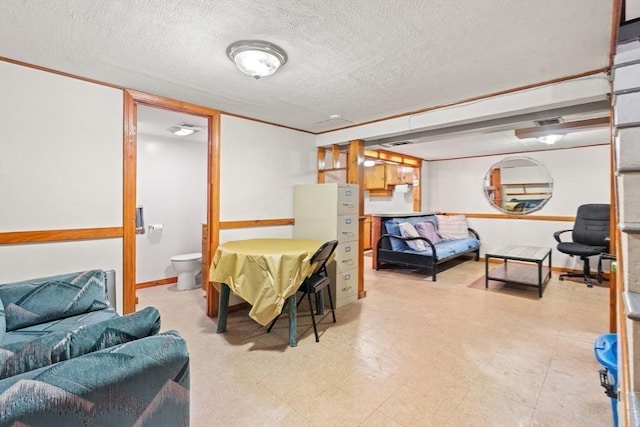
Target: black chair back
<point x="322" y="255"/>
<point x="592" y="225"/>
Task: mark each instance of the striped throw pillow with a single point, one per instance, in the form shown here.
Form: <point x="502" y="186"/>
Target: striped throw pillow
<point x="452" y="226"/>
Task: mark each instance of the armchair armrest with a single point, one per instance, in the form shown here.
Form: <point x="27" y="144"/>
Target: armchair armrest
<point x="474" y="233"/>
<point x="557" y="234"/>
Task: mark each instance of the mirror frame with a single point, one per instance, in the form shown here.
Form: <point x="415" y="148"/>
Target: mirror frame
<point x="486" y="188"/>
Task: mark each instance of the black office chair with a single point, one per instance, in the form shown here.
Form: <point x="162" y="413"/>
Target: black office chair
<point x="315" y="284"/>
<point x="590" y="235"/>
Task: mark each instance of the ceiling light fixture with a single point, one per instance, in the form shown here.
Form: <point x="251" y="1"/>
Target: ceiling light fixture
<point x="181" y="131"/>
<point x="550" y="139"/>
<point x="256" y="58"/>
<point x="563" y="128"/>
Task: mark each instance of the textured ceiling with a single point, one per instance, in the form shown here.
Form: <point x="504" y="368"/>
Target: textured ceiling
<point x="361" y="59"/>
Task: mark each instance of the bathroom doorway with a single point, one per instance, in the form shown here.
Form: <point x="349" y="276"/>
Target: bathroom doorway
<point x="171" y="190"/>
<point x="135" y="133"/>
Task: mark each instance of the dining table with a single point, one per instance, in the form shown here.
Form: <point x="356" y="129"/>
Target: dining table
<point x="265" y="272"/>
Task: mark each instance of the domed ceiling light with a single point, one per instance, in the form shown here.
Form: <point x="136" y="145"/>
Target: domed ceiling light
<point x="257" y="58"/>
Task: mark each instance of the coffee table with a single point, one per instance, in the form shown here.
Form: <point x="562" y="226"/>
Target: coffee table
<point x="519" y="273"/>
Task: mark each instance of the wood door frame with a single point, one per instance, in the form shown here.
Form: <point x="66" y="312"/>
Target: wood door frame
<point x="131" y="100"/>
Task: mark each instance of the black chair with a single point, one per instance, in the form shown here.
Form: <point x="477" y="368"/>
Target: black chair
<point x="315" y="283"/>
<point x="590" y="235"/>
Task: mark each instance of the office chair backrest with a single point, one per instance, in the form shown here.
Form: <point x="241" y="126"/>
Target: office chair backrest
<point x="322" y="255"/>
<point x="592" y="225"/>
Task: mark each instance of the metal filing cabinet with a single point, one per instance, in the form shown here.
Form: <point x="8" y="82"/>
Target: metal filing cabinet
<point x="330" y="212"/>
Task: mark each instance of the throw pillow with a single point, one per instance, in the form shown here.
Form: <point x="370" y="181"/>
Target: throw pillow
<point x="396" y="244"/>
<point x="452" y="227"/>
<point x="24" y="356"/>
<point x="408" y="230"/>
<point x="40" y="300"/>
<point x="427" y="229"/>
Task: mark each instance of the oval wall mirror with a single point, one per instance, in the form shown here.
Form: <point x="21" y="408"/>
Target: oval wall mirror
<point x="518" y="185"/>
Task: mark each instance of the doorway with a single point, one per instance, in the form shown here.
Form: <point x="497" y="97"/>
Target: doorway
<point x="171" y="189"/>
<point x="132" y="100"/>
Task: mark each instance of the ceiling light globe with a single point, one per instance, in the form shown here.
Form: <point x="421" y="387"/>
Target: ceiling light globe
<point x="256" y="58"/>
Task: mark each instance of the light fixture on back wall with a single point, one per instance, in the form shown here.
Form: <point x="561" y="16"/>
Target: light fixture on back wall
<point x="257" y="58"/>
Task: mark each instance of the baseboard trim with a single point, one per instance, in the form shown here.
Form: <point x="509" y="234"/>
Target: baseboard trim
<point x="158" y="282"/>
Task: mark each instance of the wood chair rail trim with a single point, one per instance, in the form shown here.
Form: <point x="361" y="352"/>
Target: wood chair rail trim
<point x="60" y="235"/>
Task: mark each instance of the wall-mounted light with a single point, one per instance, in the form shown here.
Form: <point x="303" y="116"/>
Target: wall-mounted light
<point x="257" y="58"/>
<point x="369" y="163"/>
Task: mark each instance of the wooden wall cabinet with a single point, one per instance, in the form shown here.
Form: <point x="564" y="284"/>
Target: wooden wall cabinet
<point x="375" y="178"/>
<point x="380" y="179"/>
<point x="398" y="174"/>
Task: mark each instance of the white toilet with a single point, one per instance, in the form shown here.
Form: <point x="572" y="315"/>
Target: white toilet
<point x="187" y="266"/>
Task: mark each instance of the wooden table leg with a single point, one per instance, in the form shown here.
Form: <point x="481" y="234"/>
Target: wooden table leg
<point x="213" y="298"/>
<point x="293" y="324"/>
<point x="223" y="307"/>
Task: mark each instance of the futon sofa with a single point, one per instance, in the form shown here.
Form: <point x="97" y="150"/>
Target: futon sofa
<point x="68" y="359"/>
<point x="428" y="250"/>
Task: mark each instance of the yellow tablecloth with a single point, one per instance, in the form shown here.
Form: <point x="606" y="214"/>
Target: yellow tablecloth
<point x="263" y="272"/>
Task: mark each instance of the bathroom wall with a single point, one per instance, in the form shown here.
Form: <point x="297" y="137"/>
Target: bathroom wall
<point x="60" y="168"/>
<point x="172" y="188"/>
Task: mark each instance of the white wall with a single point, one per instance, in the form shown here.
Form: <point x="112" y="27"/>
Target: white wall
<point x="397" y="202"/>
<point x="580" y="175"/>
<point x="259" y="166"/>
<point x="172" y="188"/>
<point x="60" y="167"/>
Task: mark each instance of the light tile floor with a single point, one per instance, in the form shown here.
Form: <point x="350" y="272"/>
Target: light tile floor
<point x="412" y="353"/>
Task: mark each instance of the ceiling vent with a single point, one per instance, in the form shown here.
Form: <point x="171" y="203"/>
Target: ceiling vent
<point x="395" y="144"/>
<point x="547" y="122"/>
